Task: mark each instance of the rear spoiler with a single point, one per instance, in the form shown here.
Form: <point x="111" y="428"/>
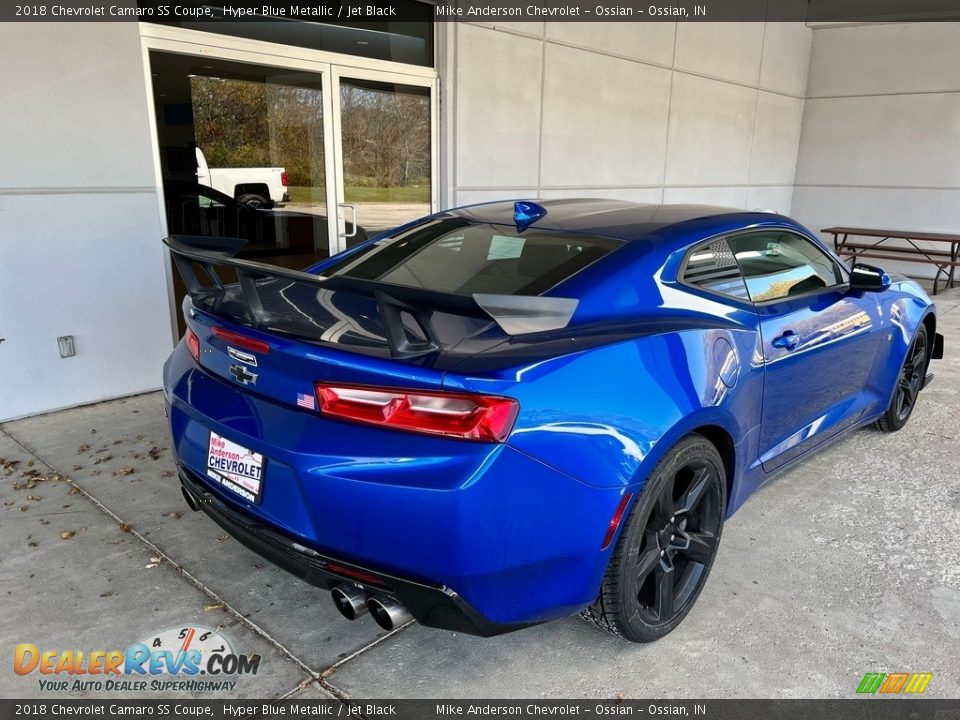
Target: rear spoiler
<point x="515" y="314"/>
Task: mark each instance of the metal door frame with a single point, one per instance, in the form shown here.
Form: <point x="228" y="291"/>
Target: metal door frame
<point x="330" y="66"/>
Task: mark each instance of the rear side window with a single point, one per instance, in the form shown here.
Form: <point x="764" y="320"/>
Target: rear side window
<point x="714" y="268"/>
<point x="453" y="255"/>
<point x="778" y="264"/>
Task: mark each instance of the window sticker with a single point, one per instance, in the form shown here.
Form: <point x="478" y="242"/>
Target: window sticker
<point x="504" y="247"/>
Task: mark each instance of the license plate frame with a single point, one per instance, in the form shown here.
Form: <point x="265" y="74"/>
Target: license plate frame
<point x="235" y="467"/>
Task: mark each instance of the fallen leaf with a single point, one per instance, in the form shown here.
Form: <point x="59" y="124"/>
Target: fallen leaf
<point x="108" y="593"/>
<point x="123" y="471"/>
<point x="93" y="431"/>
<point x="154" y="452"/>
<point x="166" y="473"/>
<point x="24" y="508"/>
<point x="67" y="534"/>
<point x="118" y="441"/>
<point x="77" y="468"/>
<point x="103" y="459"/>
<point x="74" y="491"/>
<point x="8" y="464"/>
<point x="209" y="607"/>
<point x="139" y="437"/>
<point x="222" y="538"/>
<point x="154" y="560"/>
<point x="83" y="448"/>
<point x="32" y="543"/>
<point x="30" y="464"/>
<point x="35" y="498"/>
<point x="176" y="515"/>
<point x="124" y="527"/>
<point x="151" y="566"/>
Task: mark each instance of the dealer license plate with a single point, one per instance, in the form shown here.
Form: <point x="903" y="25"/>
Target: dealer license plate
<point x="235" y="467"/>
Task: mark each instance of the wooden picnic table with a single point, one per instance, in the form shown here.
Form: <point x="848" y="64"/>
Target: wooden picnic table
<point x="944" y="258"/>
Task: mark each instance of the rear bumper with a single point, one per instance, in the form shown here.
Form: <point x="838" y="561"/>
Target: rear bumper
<point x="433" y="606"/>
<point x="469" y="536"/>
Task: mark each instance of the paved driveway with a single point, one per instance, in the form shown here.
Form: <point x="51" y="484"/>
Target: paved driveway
<point x="846" y="564"/>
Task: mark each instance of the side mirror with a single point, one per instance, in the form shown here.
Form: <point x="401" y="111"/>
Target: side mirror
<point x="868" y="277"/>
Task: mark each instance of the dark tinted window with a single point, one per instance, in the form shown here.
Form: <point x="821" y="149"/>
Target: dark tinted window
<point x="454" y="256"/>
<point x="778" y="264"/>
<point x="714" y="268"/>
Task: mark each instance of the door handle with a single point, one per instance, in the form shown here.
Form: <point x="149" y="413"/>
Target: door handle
<point x="353" y="210"/>
<point x="788" y="341"/>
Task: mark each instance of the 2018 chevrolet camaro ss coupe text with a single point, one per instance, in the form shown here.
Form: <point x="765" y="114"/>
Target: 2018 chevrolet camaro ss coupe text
<point x="508" y="413"/>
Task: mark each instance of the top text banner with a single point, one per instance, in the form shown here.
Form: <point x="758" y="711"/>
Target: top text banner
<point x="354" y="11"/>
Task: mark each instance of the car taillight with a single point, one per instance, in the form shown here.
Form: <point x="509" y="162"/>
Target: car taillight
<point x="244" y="341"/>
<point x="485" y="418"/>
<point x="193" y="344"/>
<point x="283" y="179"/>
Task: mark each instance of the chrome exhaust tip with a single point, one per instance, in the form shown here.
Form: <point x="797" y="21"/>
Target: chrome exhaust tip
<point x="350" y="602"/>
<point x="191" y="503"/>
<point x="388" y="613"/>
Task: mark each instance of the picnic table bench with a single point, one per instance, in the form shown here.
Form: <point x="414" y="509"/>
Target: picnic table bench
<point x="944" y="257"/>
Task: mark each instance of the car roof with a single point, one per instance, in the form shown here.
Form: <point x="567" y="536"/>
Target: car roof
<point x="619" y="219"/>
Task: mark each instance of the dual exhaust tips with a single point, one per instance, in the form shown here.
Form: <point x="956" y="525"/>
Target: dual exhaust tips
<point x="352" y="603"/>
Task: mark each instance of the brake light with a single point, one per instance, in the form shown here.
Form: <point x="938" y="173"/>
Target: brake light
<point x="244" y="341"/>
<point x="193" y="344"/>
<point x="283" y="178"/>
<point x="484" y="418"/>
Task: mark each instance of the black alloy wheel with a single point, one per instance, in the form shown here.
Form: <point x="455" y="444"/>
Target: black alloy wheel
<point x="667" y="547"/>
<point x="909" y="383"/>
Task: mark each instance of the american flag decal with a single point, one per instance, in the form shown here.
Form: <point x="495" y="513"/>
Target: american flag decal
<point x="307" y="401"/>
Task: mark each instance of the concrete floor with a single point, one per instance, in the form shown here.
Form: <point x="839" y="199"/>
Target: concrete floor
<point x="849" y="563"/>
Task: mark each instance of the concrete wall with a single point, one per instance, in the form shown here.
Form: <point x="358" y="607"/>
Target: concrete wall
<point x="658" y="112"/>
<point x="79" y="218"/>
<point x="881" y="131"/>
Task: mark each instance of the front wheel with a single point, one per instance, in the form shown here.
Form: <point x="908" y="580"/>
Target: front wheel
<point x="667" y="547"/>
<point x="909" y="383"/>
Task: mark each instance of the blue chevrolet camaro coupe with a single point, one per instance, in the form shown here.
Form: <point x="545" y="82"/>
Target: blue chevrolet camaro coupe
<point x="508" y="413"/>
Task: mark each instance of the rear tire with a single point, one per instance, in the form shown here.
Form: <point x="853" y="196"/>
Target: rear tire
<point x="667" y="547"/>
<point x="254" y="201"/>
<point x="909" y="383"/>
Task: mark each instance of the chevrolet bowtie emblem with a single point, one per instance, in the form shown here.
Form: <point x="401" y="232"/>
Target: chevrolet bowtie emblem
<point x="242" y="375"/>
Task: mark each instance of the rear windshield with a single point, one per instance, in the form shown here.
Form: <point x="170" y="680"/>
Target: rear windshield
<point x="453" y="255"/>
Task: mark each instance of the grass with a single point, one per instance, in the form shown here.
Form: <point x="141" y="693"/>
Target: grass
<point x="354" y="193"/>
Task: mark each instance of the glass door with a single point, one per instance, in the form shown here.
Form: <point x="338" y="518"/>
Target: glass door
<point x="301" y="161"/>
<point x="384" y="142"/>
<point x="244" y="153"/>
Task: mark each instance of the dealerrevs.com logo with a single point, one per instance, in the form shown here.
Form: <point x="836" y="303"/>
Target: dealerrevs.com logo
<point x="894" y="683"/>
<point x="193" y="659"/>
